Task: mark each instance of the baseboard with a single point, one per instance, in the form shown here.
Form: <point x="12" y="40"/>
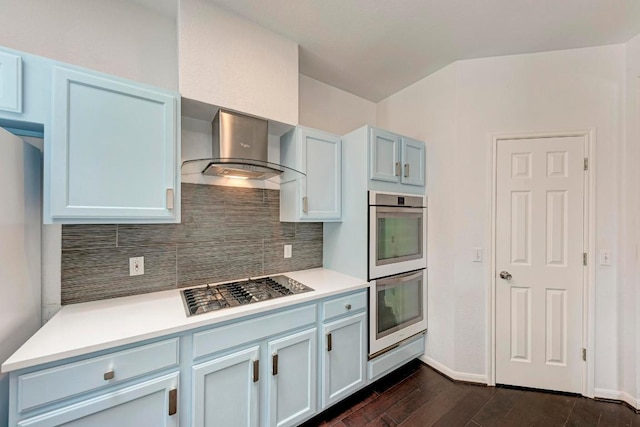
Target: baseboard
<point x="458" y="376"/>
<point x="621" y="396"/>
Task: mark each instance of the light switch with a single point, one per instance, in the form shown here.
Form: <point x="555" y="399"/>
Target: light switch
<point x="287" y="251"/>
<point x="605" y="257"/>
<point x="476" y="255"/>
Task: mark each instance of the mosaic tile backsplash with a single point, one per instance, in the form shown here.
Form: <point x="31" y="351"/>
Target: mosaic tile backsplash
<point x="226" y="233"/>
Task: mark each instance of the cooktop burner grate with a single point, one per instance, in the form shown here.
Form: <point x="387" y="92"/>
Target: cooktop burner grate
<point x="210" y="298"/>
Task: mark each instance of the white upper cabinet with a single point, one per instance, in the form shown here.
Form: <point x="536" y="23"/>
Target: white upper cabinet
<point x="413" y="161"/>
<point x="394" y="159"/>
<point x="112" y="151"/>
<point x="383" y="156"/>
<point x="10" y="82"/>
<point x="318" y="195"/>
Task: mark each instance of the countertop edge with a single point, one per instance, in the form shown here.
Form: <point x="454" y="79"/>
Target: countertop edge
<point x="28" y="362"/>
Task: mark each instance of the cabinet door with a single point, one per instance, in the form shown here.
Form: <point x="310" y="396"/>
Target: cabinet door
<point x="10" y="82"/>
<point x="112" y="151"/>
<point x="344" y="358"/>
<point x="413" y="162"/>
<point x="322" y="186"/>
<point x="292" y="386"/>
<point x="384" y="164"/>
<point x="226" y="390"/>
<point x="143" y="404"/>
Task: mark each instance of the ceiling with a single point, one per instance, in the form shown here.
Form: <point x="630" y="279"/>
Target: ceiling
<point x="166" y="8"/>
<point x="373" y="48"/>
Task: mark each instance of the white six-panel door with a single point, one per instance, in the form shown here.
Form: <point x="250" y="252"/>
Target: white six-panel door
<point x="539" y="247"/>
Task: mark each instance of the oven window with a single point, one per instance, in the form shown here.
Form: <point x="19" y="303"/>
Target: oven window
<point x="399" y="238"/>
<point x="398" y="306"/>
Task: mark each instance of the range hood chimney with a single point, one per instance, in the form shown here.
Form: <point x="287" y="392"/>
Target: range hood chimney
<point x="240" y="144"/>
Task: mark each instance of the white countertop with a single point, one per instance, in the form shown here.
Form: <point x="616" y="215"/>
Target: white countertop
<point x="84" y="328"/>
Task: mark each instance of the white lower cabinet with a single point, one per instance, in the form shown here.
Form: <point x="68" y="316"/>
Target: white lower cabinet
<point x="344" y="358"/>
<point x="147" y="403"/>
<point x="291" y="391"/>
<point x="263" y="371"/>
<point x="226" y="390"/>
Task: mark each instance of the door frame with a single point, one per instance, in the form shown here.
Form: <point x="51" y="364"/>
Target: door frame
<point x="588" y="296"/>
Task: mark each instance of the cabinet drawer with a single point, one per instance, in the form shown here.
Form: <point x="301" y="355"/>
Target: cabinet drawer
<point x="49" y="385"/>
<point x="395" y="358"/>
<point x="344" y="305"/>
<point x="227" y="337"/>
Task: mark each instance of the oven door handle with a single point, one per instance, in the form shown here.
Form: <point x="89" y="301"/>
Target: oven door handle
<point x="398" y="279"/>
<point x="417" y="210"/>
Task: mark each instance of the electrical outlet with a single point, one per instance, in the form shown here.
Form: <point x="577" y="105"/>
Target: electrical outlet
<point x="476" y="254"/>
<point x="605" y="257"/>
<point x="136" y="266"/>
<point x="287" y="251"/>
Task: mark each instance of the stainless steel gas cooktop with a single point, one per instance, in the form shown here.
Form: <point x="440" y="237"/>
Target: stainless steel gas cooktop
<point x="210" y="298"/>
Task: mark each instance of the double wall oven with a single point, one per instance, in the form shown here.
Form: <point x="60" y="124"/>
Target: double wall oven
<point x="397" y="263"/>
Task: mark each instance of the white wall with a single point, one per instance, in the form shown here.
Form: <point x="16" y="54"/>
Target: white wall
<point x="630" y="299"/>
<point x="228" y="61"/>
<point x="333" y="110"/>
<point x="115" y="36"/>
<point x="578" y="89"/>
<point x="426" y="111"/>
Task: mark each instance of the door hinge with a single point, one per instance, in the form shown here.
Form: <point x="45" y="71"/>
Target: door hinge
<point x="584" y="354"/>
<point x="586" y="164"/>
<point x="584" y="258"/>
<point x="173" y="401"/>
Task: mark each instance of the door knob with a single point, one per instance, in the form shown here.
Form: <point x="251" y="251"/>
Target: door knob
<point x="505" y="275"/>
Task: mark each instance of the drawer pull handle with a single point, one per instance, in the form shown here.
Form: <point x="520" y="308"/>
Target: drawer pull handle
<point x="109" y="375"/>
<point x="329" y="342"/>
<point x="173" y="401"/>
<point x="348" y="306"/>
<point x="275" y="364"/>
<point x="256" y="371"/>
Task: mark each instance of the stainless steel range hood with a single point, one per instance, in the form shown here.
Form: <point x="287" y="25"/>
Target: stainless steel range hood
<point x="240" y="145"/>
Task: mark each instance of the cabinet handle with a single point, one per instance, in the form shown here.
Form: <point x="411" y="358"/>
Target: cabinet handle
<point x="406" y="170"/>
<point x="275" y="363"/>
<point x="397" y="168"/>
<point x="256" y="371"/>
<point x="169" y="198"/>
<point x="329" y="342"/>
<point x="109" y="375"/>
<point x="305" y="204"/>
<point x="173" y="401"/>
<point x="348" y="306"/>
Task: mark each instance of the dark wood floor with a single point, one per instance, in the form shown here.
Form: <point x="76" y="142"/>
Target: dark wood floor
<point x="416" y="395"/>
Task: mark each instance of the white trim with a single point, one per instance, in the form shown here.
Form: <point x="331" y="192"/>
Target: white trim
<point x="458" y="376"/>
<point x="622" y="396"/>
<point x="588" y="335"/>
